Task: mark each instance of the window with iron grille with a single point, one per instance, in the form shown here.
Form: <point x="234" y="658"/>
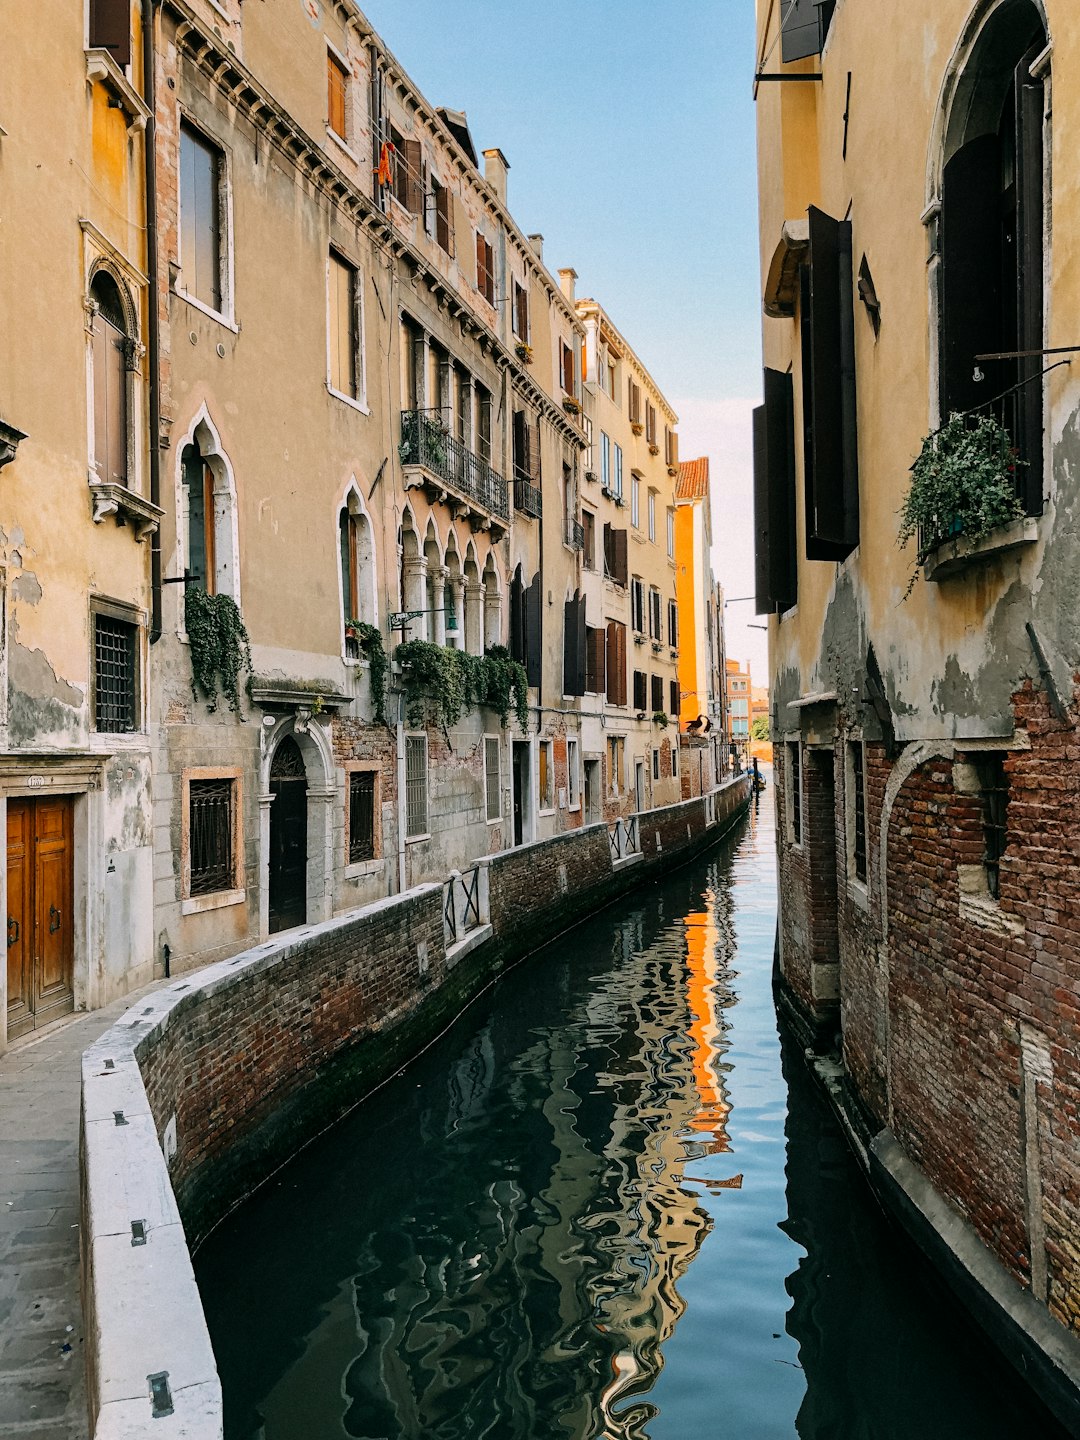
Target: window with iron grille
<point x="116" y="676"/>
<point x="416" y="799"/>
<point x="858" y="810"/>
<point x="361" y="816"/>
<point x="994" y="789"/>
<point x="211" y="823"/>
<point x="794" y="789"/>
<point x="492" y="778"/>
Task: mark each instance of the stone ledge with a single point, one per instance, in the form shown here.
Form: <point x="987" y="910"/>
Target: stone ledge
<point x="957" y="555"/>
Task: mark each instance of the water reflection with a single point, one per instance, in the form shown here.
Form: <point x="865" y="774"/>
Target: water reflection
<point x="568" y="1219"/>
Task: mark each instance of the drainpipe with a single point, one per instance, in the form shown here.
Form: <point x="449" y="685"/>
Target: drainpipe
<point x="153" y="329"/>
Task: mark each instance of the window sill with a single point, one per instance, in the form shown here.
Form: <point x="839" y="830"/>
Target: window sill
<point x="985" y="912"/>
<point x="226" y="321"/>
<point x="108" y="740"/>
<point x="957" y="555"/>
<point x="545" y="810"/>
<point x="860" y="897"/>
<point x="494" y="820"/>
<point x="101" y="67"/>
<point x="349" y="400"/>
<point x="360" y="869"/>
<point x="111" y="498"/>
<point x="417" y="839"/>
<point x="197" y="904"/>
<point x="342" y="144"/>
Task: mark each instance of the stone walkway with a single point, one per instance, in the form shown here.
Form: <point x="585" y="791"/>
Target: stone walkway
<point x="42" y="1382"/>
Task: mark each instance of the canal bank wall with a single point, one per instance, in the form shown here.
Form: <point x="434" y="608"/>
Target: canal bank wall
<point x="203" y="1090"/>
<point x="1042" y="1351"/>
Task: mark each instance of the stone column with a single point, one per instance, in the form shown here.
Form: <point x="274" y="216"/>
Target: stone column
<point x="474" y="602"/>
<point x="438" y="601"/>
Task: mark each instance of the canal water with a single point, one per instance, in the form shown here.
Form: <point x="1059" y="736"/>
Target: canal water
<point x="608" y="1203"/>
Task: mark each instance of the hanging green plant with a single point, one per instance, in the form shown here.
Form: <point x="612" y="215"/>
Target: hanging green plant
<point x="963" y="483"/>
<point x="369" y="639"/>
<point x="220" y="648"/>
<point x="441" y="684"/>
<point x="660" y="718"/>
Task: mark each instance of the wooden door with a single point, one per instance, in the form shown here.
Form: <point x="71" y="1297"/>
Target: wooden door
<point x="288" y="838"/>
<point x="40" y="928"/>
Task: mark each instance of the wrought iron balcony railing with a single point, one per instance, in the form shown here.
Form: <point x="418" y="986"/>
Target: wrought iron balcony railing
<point x="575" y="535"/>
<point x="528" y="499"/>
<point x="427" y="444"/>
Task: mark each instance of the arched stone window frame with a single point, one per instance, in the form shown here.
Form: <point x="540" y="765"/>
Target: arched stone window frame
<point x="956" y="120"/>
<point x="313" y="738"/>
<point x="203" y="432"/>
<point x="365" y="578"/>
<point x="492" y="581"/>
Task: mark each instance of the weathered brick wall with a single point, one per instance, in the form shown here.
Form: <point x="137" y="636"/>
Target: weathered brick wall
<point x="795" y="890"/>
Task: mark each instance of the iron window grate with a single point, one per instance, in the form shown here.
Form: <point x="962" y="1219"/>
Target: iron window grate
<point x="860" y="812"/>
<point x="115" y="698"/>
<point x="210" y="829"/>
<point x="416" y="821"/>
<point x="994" y="784"/>
<point x="361" y="817"/>
<point x="493" y="778"/>
<point x="795" y="773"/>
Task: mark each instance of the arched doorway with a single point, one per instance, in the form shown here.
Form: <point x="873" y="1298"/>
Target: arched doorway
<point x="288" y="837"/>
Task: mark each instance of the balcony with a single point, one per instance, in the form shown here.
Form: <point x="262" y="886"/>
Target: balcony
<point x="437" y="462"/>
<point x="575" y="535"/>
<point x="528" y="499"/>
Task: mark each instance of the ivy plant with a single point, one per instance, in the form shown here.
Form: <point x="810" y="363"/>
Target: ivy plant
<point x="369" y="638"/>
<point x="441" y="684"/>
<point x="220" y="648"/>
<point x="963" y="483"/>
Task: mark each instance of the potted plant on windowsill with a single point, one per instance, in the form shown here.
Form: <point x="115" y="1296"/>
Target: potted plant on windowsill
<point x="571" y="406"/>
<point x="654" y="449"/>
<point x="660" y="718"/>
<point x="962" y="490"/>
<point x="637" y="427"/>
<point x="523" y="351"/>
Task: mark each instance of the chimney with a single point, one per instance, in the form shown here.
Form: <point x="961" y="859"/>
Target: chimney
<point x="537" y="242"/>
<point x="496" y="166"/>
<point x="567" y="282"/>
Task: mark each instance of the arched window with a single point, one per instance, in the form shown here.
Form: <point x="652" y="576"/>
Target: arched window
<point x="356" y="553"/>
<point x="199" y="497"/>
<point x="992" y="236"/>
<point x="111" y="354"/>
<point x="208" y="512"/>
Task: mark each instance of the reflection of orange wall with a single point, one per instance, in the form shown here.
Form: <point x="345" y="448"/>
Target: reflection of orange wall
<point x="701" y="959"/>
<point x="686" y="582"/>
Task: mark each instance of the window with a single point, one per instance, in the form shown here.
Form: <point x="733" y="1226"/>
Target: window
<point x="483" y="422"/>
<point x="994" y="792"/>
<point x="588" y="526"/>
<point x="618" y="472"/>
<point x="856" y="811"/>
<point x="639" y="689"/>
<point x="635" y="501"/>
<point x="211" y="849"/>
<point x="615" y="555"/>
<point x="444" y="216"/>
<point x="637" y="605"/>
<point x="656" y="764"/>
<point x="416" y="797"/>
<point x="344" y="330"/>
<point x="656" y="685"/>
<point x="634" y="403"/>
<point x="616" y="746"/>
<point x="652" y="514"/>
<point x="112" y="352"/>
<point x="830" y="443"/>
<point x="567" y="368"/>
<point x="201" y="166"/>
<point x="616" y="663"/>
<point x="521" y="313"/>
<point x="671" y="446"/>
<point x="611" y="381"/>
<point x="575" y="662"/>
<point x="673" y="624"/>
<point x="675" y="759"/>
<point x="199" y="495"/>
<point x="595" y="660"/>
<point x="804" y="26"/>
<point x="671" y="532"/>
<point x="492" y="778"/>
<point x="110" y="29"/>
<point x="357" y="570"/>
<point x="650" y="422"/>
<point x="673" y="701"/>
<point x="656" y="628"/>
<point x="116" y="671"/>
<point x="546" y="776"/>
<point x="485" y="268"/>
<point x="337" y="89"/>
<point x="361" y="816"/>
<point x="573" y="767"/>
<point x="605" y="460"/>
<point x="991" y="239"/>
<point x="775" y="557"/>
<point x="407" y="166"/>
<point x="794" y="792"/>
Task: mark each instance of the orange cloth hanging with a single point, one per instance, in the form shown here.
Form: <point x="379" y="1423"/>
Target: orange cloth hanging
<point x="384" y="174"/>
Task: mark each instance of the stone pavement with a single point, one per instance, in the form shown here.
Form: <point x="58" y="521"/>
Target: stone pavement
<point x="42" y="1380"/>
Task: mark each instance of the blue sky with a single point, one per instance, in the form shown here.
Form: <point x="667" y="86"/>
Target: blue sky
<point x="629" y="129"/>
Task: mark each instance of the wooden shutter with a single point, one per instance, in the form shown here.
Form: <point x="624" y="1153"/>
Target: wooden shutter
<point x="620" y="569"/>
<point x="574" y="659"/>
<point x="1029" y="278"/>
<point x="517" y="617"/>
<point x="414" y="179"/>
<point x="802" y="29"/>
<point x="970" y="275"/>
<point x="110" y="29"/>
<point x="639" y="689"/>
<point x="533" y="632"/>
<point x="335" y="95"/>
<point x="828" y="355"/>
<point x="522" y="468"/>
<point x="657" y="686"/>
<point x="616" y="665"/>
<point x="775" y="561"/>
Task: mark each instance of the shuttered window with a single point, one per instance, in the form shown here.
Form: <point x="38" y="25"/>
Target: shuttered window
<point x="567" y="368"/>
<point x="485" y="269"/>
<point x="830" y="442"/>
<point x="574" y="644"/>
<point x="615" y="555"/>
<point x="650" y="422"/>
<point x="673" y="624"/>
<point x="656" y="622"/>
<point x="408" y="172"/>
<point x="673" y="702"/>
<point x="416" y="797"/>
<point x="110" y="347"/>
<point x="671" y="446"/>
<point x="595" y="660"/>
<point x="616" y="663"/>
<point x="656" y="686"/>
<point x="200" y="217"/>
<point x="804" y="27"/>
<point x="199" y="492"/>
<point x="640" y="679"/>
<point x="634" y="403"/>
<point x="521" y="312"/>
<point x="775" y="561"/>
<point x="588" y="547"/>
<point x="637" y="605"/>
<point x="444" y="217"/>
<point x="341" y="303"/>
<point x="337" y="78"/>
<point x="110" y="29"/>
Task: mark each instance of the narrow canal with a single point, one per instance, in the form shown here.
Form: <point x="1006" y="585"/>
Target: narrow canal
<point x="607" y="1204"/>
